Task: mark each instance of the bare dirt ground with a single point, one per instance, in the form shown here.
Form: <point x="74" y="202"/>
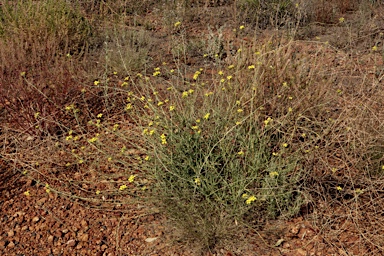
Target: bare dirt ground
<point x="46" y="224"/>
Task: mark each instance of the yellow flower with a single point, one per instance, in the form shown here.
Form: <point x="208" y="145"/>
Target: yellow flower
<point x="245" y="195"/>
<point x="251" y="67"/>
<point x="238" y="122"/>
<point x="98" y="192"/>
<point x="196" y="75"/>
<point x="190" y="91"/>
<point x="289" y="109"/>
<point x="160" y="103"/>
<point x="195" y="127"/>
<point x="359" y="191"/>
<point x="92" y="140"/>
<point x="206" y="116"/>
<point x="374" y="48"/>
<point x="156" y="73"/>
<point x="229" y="77"/>
<point x="131" y="178"/>
<point x="115" y="127"/>
<point x="222" y="80"/>
<point x="96" y="82"/>
<point x="231" y="66"/>
<point x="69" y="107"/>
<point x="147" y="158"/>
<point x="27" y="193"/>
<point x="267" y="121"/>
<point x="339" y="188"/>
<point x="341" y="20"/>
<point x="197" y="181"/>
<point x="239" y="110"/>
<point x="163" y="138"/>
<point x="122" y="187"/>
<point x="285" y="145"/>
<point x="177" y="24"/>
<point x="128" y="106"/>
<point x="221" y="73"/>
<point x="250" y="199"/>
<point x="241" y="27"/>
<point x="275" y="153"/>
<point x="171" y="108"/>
<point x="273" y="174"/>
<point x="240" y="153"/>
<point x="109" y="159"/>
<point x="184" y="94"/>
<point x="100" y="115"/>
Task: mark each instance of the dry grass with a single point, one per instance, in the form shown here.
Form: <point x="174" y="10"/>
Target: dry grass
<point x="88" y="96"/>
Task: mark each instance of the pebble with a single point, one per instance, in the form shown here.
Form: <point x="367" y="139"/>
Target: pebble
<point x="2" y="245"/>
<point x="35" y="219"/>
<point x="84" y="237"/>
<point x="71" y="243"/>
<point x="11" y="233"/>
<point x="11" y="245"/>
<point x="50" y="239"/>
<point x="84" y="223"/>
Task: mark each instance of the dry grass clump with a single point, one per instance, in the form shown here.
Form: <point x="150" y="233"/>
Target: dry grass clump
<point x="254" y="130"/>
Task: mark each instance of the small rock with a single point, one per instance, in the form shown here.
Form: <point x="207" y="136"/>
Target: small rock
<point x="24" y="228"/>
<point x="84" y="223"/>
<point x="56" y="251"/>
<point x="35" y="219"/>
<point x="50" y="239"/>
<point x="11" y="245"/>
<point x="64" y="231"/>
<point x="301" y="252"/>
<point x="84" y="237"/>
<point x="2" y="245"/>
<point x="150" y="239"/>
<point x="295" y="230"/>
<point x="286" y="245"/>
<point x="20" y="213"/>
<point x="71" y="243"/>
<point x="41" y="201"/>
<point x="11" y="233"/>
